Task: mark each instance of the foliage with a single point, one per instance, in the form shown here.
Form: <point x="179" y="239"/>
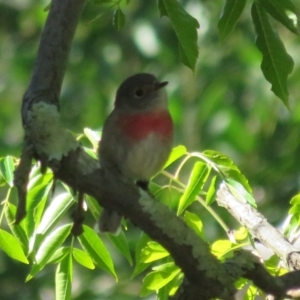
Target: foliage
<point x="238" y="120"/>
<point x="44" y="236"/>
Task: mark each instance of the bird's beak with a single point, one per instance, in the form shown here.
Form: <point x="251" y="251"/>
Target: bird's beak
<point x="160" y="85"/>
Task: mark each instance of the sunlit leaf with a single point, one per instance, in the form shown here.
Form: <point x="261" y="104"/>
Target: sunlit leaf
<point x="63" y="278"/>
<point x="93" y="136"/>
<point x="176" y="153"/>
<point x="241" y="234"/>
<point x="211" y="192"/>
<point x="35" y="202"/>
<point x="7" y="169"/>
<point x="194" y="222"/>
<point x="59" y="255"/>
<point x="152" y="252"/>
<point x="93" y="206"/>
<point x="232" y="11"/>
<point x="197" y="179"/>
<point x="17" y="230"/>
<point x="239" y="192"/>
<point x="276" y="64"/>
<point x="83" y="258"/>
<point x="139" y="265"/>
<point x="221" y="248"/>
<point x="51" y="243"/>
<point x="57" y="208"/>
<point x="162" y="275"/>
<point x="292" y="226"/>
<point x="224" y="166"/>
<point x="295" y="209"/>
<point x="12" y="247"/>
<point x="170" y="289"/>
<point x="295" y="200"/>
<point x="36" y="178"/>
<point x="185" y="27"/>
<point x="94" y="246"/>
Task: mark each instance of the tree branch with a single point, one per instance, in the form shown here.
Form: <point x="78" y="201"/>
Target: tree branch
<point x="53" y="52"/>
<point x="259" y="227"/>
<point x="248" y="266"/>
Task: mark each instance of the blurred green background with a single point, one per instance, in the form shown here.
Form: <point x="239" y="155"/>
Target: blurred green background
<point x="226" y="105"/>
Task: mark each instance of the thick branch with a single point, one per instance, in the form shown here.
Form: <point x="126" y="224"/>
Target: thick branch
<point x="259" y="227"/>
<point x="248" y="266"/>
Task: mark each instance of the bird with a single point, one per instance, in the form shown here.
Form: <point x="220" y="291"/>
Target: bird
<point x="137" y="136"/>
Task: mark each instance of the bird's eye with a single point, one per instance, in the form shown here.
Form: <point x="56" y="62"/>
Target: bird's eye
<point x="139" y="93"/>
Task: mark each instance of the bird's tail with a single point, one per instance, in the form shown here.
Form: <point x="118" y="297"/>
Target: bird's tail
<point x="110" y="221"/>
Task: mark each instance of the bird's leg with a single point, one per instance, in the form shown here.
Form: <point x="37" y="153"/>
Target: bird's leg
<point x="78" y="216"/>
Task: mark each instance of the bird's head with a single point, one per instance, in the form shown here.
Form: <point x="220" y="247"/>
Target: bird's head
<point x="141" y="92"/>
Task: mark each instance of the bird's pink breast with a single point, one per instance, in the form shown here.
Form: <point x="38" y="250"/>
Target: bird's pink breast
<point x="139" y="126"/>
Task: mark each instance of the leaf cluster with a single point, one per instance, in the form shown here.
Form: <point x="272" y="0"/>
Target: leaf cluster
<point x="44" y="237"/>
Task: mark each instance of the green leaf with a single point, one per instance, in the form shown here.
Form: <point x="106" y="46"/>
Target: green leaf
<point x="224" y="166"/>
<point x="83" y="258"/>
<point x="139" y="265"/>
<point x="185" y="27"/>
<point x="197" y="179"/>
<point x="241" y="234"/>
<point x="276" y="64"/>
<point x="171" y="288"/>
<point x="278" y="10"/>
<point x="194" y="222"/>
<point x="57" y="208"/>
<point x="51" y="243"/>
<point x="221" y="248"/>
<point x="59" y="255"/>
<point x="121" y="244"/>
<point x="119" y="19"/>
<point x="17" y="230"/>
<point x="7" y="168"/>
<point x="152" y="252"/>
<point x="292" y="226"/>
<point x="93" y="136"/>
<point x="162" y="8"/>
<point x="239" y="192"/>
<point x="211" y="193"/>
<point x="63" y="278"/>
<point x="162" y="275"/>
<point x="35" y="203"/>
<point x="295" y="209"/>
<point x="93" y="206"/>
<point x="295" y="200"/>
<point x="36" y="178"/>
<point x="94" y="246"/>
<point x="176" y="153"/>
<point x="232" y="11"/>
<point x="90" y="152"/>
<point x="12" y="247"/>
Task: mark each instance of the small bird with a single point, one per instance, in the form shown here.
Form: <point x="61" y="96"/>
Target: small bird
<point x="137" y="136"/>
